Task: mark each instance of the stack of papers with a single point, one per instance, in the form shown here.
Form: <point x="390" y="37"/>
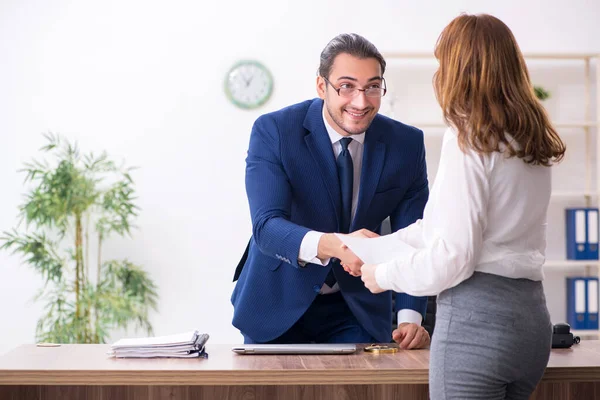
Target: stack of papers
<point x="183" y="345"/>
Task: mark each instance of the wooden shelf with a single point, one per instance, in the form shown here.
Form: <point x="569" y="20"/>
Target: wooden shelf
<point x="572" y="194"/>
<point x="558" y="124"/>
<point x="575" y="124"/>
<point x="533" y="56"/>
<point x="571" y="263"/>
<point x="561" y="56"/>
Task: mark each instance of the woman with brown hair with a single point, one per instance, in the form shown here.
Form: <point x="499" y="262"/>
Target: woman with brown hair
<point x="481" y="242"/>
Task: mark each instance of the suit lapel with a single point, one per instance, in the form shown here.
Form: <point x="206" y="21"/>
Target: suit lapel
<point x="321" y="150"/>
<point x="372" y="166"/>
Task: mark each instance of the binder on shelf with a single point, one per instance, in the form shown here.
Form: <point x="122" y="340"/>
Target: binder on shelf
<point x="576" y="303"/>
<point x="592" y="303"/>
<point x="582" y="233"/>
<point x="592" y="233"/>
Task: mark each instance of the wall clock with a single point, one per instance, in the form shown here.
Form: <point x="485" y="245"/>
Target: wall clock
<point x="248" y="84"/>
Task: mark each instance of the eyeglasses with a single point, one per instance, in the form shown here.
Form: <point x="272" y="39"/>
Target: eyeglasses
<point x="353" y="91"/>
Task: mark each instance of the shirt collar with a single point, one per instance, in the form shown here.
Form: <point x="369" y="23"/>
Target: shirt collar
<point x="335" y="137"/>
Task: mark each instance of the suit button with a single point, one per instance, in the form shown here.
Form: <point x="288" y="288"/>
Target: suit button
<point x="317" y="288"/>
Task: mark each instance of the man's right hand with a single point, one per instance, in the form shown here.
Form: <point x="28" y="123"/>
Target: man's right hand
<point x="411" y="336"/>
<point x="330" y="246"/>
<point x="364" y="233"/>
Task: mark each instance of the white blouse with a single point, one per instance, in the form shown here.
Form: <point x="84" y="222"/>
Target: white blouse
<point x="485" y="213"/>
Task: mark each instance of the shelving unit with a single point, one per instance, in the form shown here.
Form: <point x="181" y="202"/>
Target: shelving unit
<point x="588" y="125"/>
<point x="572" y="264"/>
<point x="557" y="125"/>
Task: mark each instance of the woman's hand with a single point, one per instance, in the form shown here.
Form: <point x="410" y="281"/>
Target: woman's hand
<point x="368" y="277"/>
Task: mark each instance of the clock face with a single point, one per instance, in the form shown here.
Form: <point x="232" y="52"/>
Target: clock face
<point x="248" y="84"/>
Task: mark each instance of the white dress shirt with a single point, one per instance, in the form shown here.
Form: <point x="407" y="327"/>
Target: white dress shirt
<point x="485" y="213"/>
<point x="310" y="243"/>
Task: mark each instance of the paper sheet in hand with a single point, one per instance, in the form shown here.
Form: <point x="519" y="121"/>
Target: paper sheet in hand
<point x="376" y="250"/>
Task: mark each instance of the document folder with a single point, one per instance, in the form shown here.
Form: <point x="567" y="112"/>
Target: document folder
<point x="576" y="303"/>
<point x="582" y="233"/>
<point x="592" y="303"/>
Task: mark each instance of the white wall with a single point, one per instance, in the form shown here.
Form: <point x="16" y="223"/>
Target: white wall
<point x="143" y="80"/>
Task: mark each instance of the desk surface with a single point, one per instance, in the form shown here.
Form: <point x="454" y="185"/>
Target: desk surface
<point x="90" y="365"/>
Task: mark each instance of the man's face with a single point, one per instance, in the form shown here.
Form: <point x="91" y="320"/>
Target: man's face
<point x="351" y="115"/>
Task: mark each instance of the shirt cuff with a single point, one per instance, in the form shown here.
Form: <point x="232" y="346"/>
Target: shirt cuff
<point x="309" y="248"/>
<point x="410" y="316"/>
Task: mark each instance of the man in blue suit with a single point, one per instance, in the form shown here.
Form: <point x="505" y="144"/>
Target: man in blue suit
<point x="328" y="165"/>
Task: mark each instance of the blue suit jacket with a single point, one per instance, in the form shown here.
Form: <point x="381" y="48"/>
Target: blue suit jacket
<point x="292" y="187"/>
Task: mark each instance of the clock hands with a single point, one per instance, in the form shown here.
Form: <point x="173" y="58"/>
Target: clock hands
<point x="246" y="80"/>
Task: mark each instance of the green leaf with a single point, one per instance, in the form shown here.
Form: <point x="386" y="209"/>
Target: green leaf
<point x="39" y="251"/>
<point x="541" y="93"/>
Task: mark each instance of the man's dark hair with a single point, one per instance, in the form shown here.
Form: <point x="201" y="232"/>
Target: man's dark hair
<point x="349" y="43"/>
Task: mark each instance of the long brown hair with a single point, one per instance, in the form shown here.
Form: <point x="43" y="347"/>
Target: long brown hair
<point x="484" y="90"/>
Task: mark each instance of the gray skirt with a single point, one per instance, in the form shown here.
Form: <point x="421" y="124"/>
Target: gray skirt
<point x="492" y="339"/>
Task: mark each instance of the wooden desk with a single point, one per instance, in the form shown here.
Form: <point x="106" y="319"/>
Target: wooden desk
<point x="86" y="372"/>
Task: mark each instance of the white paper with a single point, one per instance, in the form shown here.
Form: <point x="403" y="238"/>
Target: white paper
<point x="377" y="250"/>
<point x="152" y="353"/>
<point x="178" y="347"/>
<point x="155" y="354"/>
<point x="170" y="340"/>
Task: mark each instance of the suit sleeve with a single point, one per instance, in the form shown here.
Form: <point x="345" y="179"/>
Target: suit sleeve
<point x="408" y="211"/>
<point x="269" y="194"/>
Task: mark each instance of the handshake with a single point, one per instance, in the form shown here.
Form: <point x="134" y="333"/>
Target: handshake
<point x="330" y="246"/>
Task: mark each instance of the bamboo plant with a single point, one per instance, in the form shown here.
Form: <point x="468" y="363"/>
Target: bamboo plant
<point x="73" y="201"/>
